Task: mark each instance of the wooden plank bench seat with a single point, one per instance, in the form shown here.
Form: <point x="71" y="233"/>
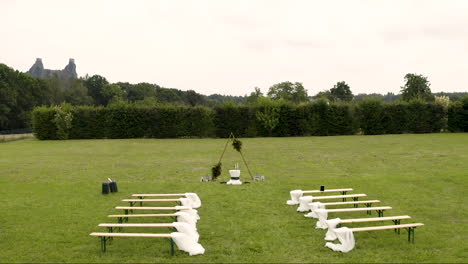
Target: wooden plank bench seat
<point x="142" y="195"/>
<point x="108" y="236"/>
<point x="122" y="218"/>
<point x="409" y="227"/>
<point x="131" y="208"/>
<point x="368" y="203"/>
<point x="374" y="219"/>
<point x="134" y="201"/>
<point x="379" y="209"/>
<point x="111" y="226"/>
<point x="342" y="191"/>
<point x="396" y="220"/>
<point x="354" y="196"/>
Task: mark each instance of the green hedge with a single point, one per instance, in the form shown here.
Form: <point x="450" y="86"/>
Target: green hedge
<point x="272" y="118"/>
<point x="375" y="117"/>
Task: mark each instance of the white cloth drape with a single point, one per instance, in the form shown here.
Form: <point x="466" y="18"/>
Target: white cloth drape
<point x="322" y="218"/>
<point x="332" y="223"/>
<point x="314" y="206"/>
<point x="304" y="203"/>
<point x="295" y="195"/>
<point x="186" y="202"/>
<point x="187" y="229"/>
<point x="192" y="212"/>
<point x="186" y="218"/>
<point x="196" y="202"/>
<point x="234" y="182"/>
<point x="187" y="243"/>
<point x="346" y="237"/>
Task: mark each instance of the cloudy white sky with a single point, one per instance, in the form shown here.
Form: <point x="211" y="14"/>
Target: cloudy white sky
<point x="229" y="47"/>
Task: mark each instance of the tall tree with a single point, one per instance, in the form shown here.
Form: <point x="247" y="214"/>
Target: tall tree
<point x="95" y="84"/>
<point x="288" y="91"/>
<point x="416" y="87"/>
<point x="254" y="96"/>
<point x="111" y="92"/>
<point x="341" y="92"/>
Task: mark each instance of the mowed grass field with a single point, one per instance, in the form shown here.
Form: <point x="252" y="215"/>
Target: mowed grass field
<point x="50" y="197"/>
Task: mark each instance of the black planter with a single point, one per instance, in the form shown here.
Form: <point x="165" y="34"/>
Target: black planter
<point x="113" y="186"/>
<point x="105" y="188"/>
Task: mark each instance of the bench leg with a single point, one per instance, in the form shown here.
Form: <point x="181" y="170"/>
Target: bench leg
<point x="380" y="213"/>
<point x="120" y="220"/>
<point x="111" y="230"/>
<point x="103" y="243"/>
<point x="369" y="205"/>
<point x="172" y="246"/>
<point x="411" y="233"/>
<point x="397" y="222"/>
<point x="132" y="203"/>
<point x="141" y="198"/>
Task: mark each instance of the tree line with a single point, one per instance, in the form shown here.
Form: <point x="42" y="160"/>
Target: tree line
<point x="20" y="93"/>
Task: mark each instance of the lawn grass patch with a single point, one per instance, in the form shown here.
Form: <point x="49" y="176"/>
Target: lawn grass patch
<point x="50" y="197"/>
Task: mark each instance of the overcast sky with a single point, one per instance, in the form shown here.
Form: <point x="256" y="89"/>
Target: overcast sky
<point x="229" y="47"/>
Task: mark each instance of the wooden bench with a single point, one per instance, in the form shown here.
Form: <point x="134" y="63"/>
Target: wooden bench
<point x="131" y="208"/>
<point x="343" y="191"/>
<point x="380" y="209"/>
<point x="354" y="196"/>
<point x="396" y="220"/>
<point x="111" y="226"/>
<point x="134" y="201"/>
<point x="409" y="227"/>
<point x="368" y="203"/>
<point x="108" y="236"/>
<point x="124" y="218"/>
<point x="143" y="195"/>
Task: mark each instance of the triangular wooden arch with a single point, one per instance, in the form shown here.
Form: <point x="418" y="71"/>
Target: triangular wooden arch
<point x="232" y="138"/>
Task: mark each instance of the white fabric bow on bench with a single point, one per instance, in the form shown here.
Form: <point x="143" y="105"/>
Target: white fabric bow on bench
<point x="192" y="212"/>
<point x="314" y="206"/>
<point x="332" y="223"/>
<point x="322" y="218"/>
<point x="186" y="218"/>
<point x="295" y="195"/>
<point x="187" y="243"/>
<point x="346" y="237"/>
<point x="195" y="201"/>
<point x="187" y="229"/>
<point x="304" y="203"/>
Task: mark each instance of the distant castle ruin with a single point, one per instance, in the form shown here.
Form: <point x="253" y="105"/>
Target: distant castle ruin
<point x="38" y="71"/>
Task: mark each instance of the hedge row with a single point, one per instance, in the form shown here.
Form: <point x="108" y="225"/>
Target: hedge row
<point x="315" y="119"/>
<point x="458" y="116"/>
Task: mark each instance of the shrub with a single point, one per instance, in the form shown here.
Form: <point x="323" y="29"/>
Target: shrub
<point x="43" y="123"/>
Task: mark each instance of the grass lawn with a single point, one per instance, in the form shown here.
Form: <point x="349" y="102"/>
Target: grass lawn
<point x="50" y="197"/>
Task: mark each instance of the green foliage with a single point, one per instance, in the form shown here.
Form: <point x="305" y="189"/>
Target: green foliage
<point x="95" y="84"/>
<point x="267" y="115"/>
<point x="63" y="120"/>
<point x="237" y="144"/>
<point x="370" y="115"/>
<point x="416" y="87"/>
<point x="415" y="116"/>
<point x="43" y="123"/>
<point x="234" y="118"/>
<point x="269" y="118"/>
<point x="19" y="94"/>
<point x="341" y="92"/>
<point x="216" y="171"/>
<point x="458" y="116"/>
<point x="293" y="92"/>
